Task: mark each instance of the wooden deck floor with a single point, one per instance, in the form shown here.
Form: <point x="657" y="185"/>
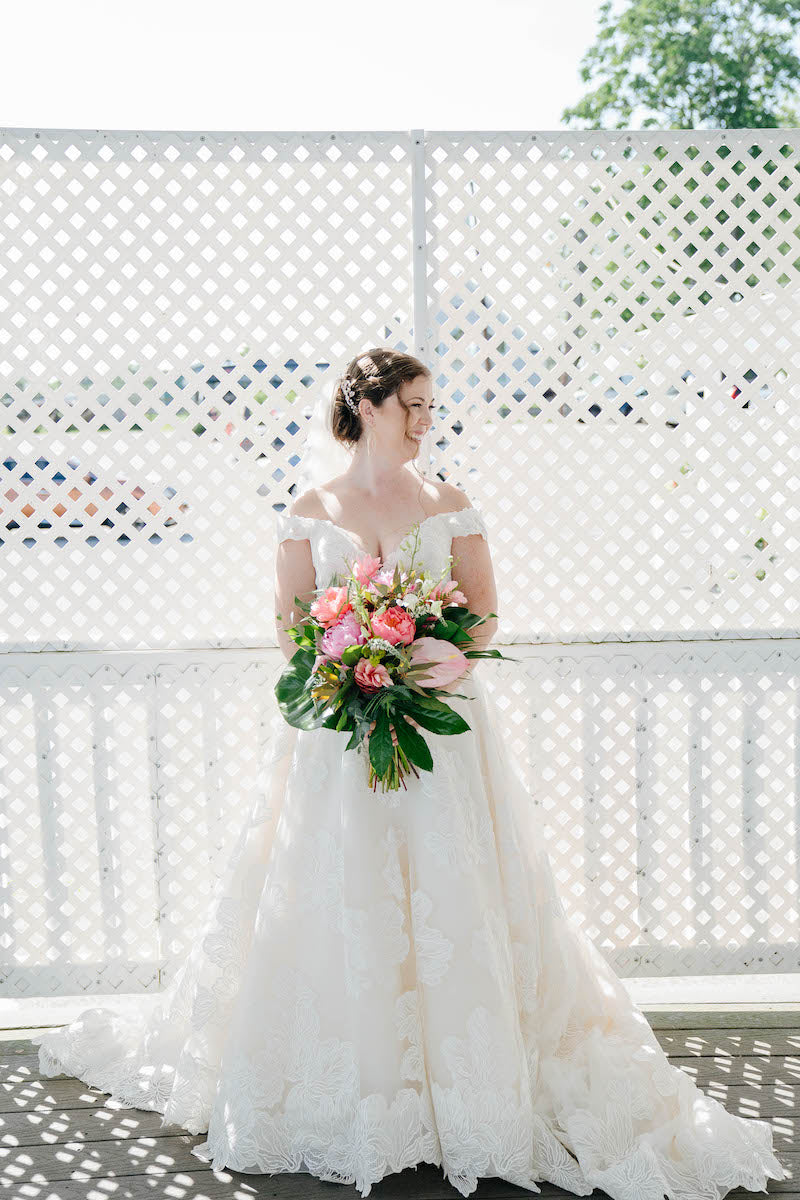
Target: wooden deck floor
<point x="65" y="1141"/>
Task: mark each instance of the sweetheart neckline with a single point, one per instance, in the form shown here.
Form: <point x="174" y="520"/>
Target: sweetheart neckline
<point x="347" y="533"/>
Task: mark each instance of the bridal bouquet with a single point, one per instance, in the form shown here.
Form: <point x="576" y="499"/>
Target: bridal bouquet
<point x="377" y="648"/>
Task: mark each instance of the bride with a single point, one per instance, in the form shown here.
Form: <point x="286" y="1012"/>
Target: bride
<point x="387" y="979"/>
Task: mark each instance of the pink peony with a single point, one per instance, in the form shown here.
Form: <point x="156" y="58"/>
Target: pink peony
<point x="395" y="626"/>
<point x="447" y="661"/>
<point x="371" y="677"/>
<point x="448" y="592"/>
<point x="365" y="568"/>
<point x="331" y="605"/>
<point x="346" y="632"/>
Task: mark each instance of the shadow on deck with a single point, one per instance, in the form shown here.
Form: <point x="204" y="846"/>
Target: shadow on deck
<point x="63" y="1140"/>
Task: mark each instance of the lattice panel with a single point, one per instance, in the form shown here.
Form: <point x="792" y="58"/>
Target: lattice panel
<point x="159" y="249"/>
<point x="132" y="779"/>
<point x="616" y="325"/>
<point x="613" y="330"/>
<point x="169" y="303"/>
<point x="614" y="338"/>
<point x="669" y="780"/>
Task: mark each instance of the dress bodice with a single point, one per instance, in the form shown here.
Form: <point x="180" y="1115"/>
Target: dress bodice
<point x="333" y="548"/>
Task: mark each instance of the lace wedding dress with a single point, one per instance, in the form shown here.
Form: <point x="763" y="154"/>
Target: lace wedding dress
<point x="390" y="979"/>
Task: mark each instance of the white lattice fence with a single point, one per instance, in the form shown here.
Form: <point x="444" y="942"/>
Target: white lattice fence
<point x="169" y="304"/>
<point x="617" y="326"/>
<point x="612" y="327"/>
<point x="132" y="774"/>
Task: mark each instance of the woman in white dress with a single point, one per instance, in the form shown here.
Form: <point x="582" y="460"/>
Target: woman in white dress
<point x="387" y="979"/>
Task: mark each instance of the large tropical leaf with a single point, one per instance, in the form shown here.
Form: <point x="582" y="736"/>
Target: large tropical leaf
<point x="381" y="747"/>
<point x="413" y="744"/>
<point x="432" y="714"/>
<point x="291" y="691"/>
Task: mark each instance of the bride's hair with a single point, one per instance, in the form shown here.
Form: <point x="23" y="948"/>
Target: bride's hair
<point x="375" y="374"/>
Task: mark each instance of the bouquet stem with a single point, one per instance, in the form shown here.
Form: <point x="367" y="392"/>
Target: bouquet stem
<point x="395" y="775"/>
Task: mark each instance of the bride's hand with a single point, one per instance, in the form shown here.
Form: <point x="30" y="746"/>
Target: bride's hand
<point x="410" y="720"/>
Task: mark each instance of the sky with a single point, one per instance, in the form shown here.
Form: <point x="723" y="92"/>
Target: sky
<point x="236" y="64"/>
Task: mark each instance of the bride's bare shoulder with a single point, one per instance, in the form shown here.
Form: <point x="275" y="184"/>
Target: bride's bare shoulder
<point x="308" y="504"/>
<point x="451" y="497"/>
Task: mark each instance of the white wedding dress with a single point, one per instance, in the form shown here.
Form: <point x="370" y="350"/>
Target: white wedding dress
<point x="391" y="979"/>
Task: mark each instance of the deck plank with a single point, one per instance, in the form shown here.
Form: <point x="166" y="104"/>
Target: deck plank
<point x="59" y="1131"/>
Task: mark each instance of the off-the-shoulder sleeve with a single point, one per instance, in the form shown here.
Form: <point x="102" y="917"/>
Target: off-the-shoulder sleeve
<point x="467" y="520"/>
<point x="290" y="525"/>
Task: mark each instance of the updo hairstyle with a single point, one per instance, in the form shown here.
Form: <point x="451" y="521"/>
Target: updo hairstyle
<point x="375" y="374"/>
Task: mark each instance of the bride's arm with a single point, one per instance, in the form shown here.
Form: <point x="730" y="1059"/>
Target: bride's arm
<point x="294" y="576"/>
<point x="472" y="567"/>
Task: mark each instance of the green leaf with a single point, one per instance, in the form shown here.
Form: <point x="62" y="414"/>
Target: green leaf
<point x="381" y="747"/>
<point x="445" y="630"/>
<point x="493" y="653"/>
<point x="301" y="636"/>
<point x="418" y="668"/>
<point x="294" y="700"/>
<point x="343" y="719"/>
<point x="432" y="714"/>
<point x="331" y="718"/>
<point x="413" y="744"/>
<point x="351" y="654"/>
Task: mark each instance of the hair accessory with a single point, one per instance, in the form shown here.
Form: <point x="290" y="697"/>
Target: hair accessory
<point x="348" y="389"/>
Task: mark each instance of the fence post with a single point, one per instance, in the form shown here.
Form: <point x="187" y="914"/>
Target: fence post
<point x="419" y="266"/>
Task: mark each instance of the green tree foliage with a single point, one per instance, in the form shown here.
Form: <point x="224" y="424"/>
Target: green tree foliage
<point x="692" y="64"/>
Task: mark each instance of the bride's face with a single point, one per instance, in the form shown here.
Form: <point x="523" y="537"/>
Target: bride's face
<point x="402" y="428"/>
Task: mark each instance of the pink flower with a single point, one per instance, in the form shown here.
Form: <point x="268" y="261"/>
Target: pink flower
<point x="384" y="576"/>
<point x="447" y="661"/>
<point x="371" y="677"/>
<point x="346" y="632"/>
<point x="365" y="568"/>
<point x="395" y="626"/>
<point x="319" y="660"/>
<point x="448" y="592"/>
<point x="331" y="605"/>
